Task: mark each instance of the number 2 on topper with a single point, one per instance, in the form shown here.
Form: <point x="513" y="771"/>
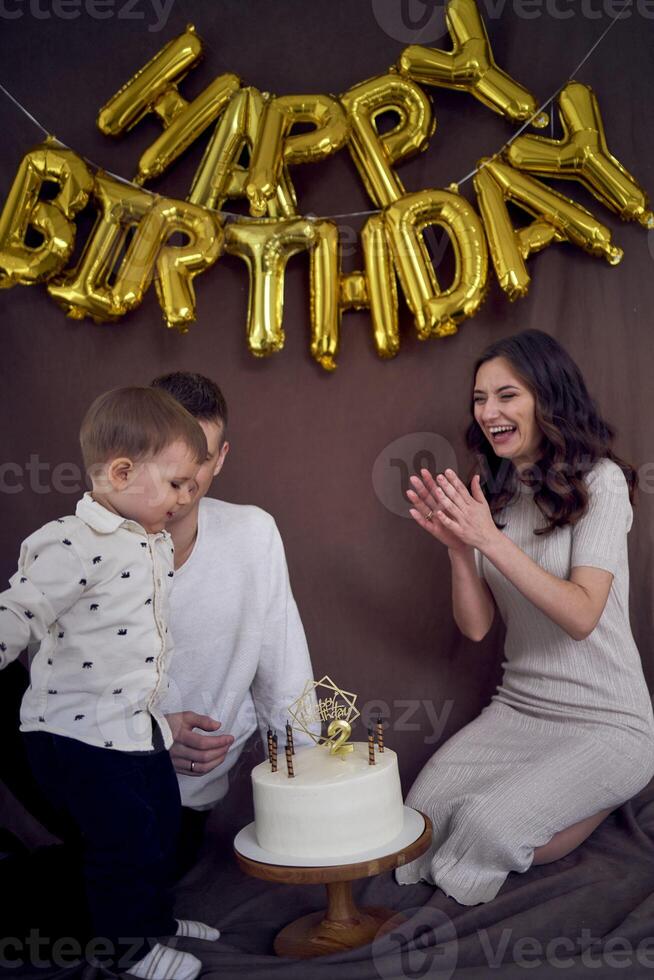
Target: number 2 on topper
<point x="338" y="746"/>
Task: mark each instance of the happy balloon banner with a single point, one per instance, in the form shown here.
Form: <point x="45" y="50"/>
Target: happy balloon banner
<point x="130" y="245"/>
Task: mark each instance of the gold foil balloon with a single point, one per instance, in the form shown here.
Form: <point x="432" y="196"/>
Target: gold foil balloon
<point x="353" y="291"/>
<point x="86" y="289"/>
<point x="265" y="246"/>
<point x="437" y="312"/>
<point x="583" y="155"/>
<point x="381" y="287"/>
<point x="186" y="122"/>
<point x="332" y="292"/>
<point x="376" y="154"/>
<point x="52" y="219"/>
<point x="470" y="66"/>
<point x="219" y="170"/>
<point x="506" y="254"/>
<point x="325" y="297"/>
<point x="154" y="89"/>
<point x="275" y="147"/>
<point x="558" y="219"/>
<point x="176" y="265"/>
<point x="220" y="176"/>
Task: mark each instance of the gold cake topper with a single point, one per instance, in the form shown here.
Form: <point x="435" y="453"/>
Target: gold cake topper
<point x="338" y="709"/>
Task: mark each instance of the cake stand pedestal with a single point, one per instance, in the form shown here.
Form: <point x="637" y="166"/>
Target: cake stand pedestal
<point x="341" y="925"/>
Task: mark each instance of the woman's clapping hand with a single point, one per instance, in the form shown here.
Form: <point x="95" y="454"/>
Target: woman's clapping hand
<point x="449" y="512"/>
<point x="424" y="497"/>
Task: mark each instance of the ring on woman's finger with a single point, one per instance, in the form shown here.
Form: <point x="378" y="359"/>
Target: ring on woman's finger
<point x="429" y="516"/>
<point x="192" y="766"/>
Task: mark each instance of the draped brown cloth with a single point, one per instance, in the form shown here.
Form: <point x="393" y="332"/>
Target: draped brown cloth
<point x="373" y="590"/>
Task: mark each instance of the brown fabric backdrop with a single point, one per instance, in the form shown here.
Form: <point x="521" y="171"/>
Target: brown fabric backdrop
<point x="373" y="591"/>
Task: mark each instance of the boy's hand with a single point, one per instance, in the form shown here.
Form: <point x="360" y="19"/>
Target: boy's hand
<point x="194" y="754"/>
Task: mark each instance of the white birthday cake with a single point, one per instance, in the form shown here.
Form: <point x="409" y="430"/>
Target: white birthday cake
<point x="333" y="806"/>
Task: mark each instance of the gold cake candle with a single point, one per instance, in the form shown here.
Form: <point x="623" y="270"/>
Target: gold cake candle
<point x="380" y="734"/>
<point x="289" y="737"/>
<point x="371" y="747"/>
<point x="289" y="760"/>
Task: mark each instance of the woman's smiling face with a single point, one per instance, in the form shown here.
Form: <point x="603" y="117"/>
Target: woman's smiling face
<point x="505" y="410"/>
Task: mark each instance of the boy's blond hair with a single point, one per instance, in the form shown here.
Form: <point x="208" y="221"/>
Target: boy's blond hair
<point x="137" y="423"/>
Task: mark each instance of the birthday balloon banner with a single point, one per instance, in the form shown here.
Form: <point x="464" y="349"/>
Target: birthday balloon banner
<point x="130" y="245"/>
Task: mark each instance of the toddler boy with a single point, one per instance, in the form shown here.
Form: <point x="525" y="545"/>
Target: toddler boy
<point x="91" y="589"/>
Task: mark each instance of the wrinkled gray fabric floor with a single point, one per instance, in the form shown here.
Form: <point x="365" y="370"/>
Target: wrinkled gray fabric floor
<point x="589" y="914"/>
<point x="596" y="896"/>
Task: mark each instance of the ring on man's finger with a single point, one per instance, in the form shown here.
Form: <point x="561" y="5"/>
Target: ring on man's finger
<point x="192" y="767"/>
<point x="429" y="516"/>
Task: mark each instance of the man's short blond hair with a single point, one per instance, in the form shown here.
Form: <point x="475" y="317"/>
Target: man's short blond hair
<point x="137" y="423"/>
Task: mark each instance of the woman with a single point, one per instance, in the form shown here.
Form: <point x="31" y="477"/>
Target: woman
<point x="542" y="535"/>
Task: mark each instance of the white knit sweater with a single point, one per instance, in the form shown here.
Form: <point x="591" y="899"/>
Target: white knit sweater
<point x="240" y="651"/>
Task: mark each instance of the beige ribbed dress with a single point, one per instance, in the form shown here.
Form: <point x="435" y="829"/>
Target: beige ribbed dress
<point x="569" y="731"/>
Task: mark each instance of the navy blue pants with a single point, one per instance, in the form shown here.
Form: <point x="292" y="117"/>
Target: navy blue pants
<point x="126" y="809"/>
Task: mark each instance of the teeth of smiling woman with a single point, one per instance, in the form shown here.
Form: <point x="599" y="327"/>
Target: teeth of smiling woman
<point x="496" y="429"/>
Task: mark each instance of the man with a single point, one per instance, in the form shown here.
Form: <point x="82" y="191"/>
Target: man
<point x="241" y="655"/>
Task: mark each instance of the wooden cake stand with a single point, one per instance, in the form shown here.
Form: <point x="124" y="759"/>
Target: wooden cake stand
<point x="342" y="925"/>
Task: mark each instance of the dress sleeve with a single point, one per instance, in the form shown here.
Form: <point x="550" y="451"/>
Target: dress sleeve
<point x="50" y="578"/>
<point x="599" y="537"/>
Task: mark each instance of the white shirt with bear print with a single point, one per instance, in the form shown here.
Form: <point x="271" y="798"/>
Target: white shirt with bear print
<point x="92" y="592"/>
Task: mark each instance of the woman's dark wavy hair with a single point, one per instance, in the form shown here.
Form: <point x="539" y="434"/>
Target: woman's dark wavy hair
<point x="575" y="435"/>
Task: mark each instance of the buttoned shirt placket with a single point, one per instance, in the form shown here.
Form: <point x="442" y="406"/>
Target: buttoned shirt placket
<point x="162" y="629"/>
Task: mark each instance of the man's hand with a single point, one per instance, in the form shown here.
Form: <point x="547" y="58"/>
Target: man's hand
<point x="194" y="754"/>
